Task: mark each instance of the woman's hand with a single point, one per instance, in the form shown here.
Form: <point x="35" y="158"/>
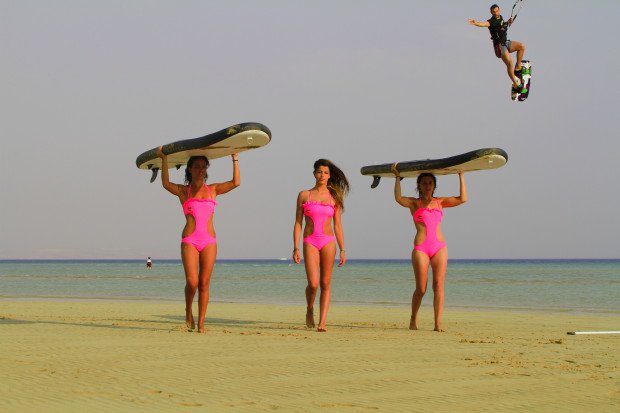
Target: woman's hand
<point x="343" y="258"/>
<point x="160" y="153"/>
<point x="296" y="256"/>
<point x="394" y="170"/>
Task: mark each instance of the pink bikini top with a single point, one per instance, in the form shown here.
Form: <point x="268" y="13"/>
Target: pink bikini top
<point x="318" y="211"/>
<point x="429" y="216"/>
<point x="199" y="208"/>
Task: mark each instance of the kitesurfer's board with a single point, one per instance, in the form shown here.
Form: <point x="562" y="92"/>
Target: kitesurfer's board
<point x="235" y="139"/>
<point x="481" y="159"/>
<point x="526" y="79"/>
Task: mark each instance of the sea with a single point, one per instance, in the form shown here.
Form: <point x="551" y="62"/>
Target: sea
<point x="582" y="286"/>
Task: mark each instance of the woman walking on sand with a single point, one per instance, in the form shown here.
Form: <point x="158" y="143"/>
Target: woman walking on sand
<point x="198" y="243"/>
<point x="429" y="247"/>
<point x="322" y="207"/>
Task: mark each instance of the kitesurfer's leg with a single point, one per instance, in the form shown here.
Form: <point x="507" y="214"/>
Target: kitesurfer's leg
<point x="520" y="49"/>
<point x="507" y="59"/>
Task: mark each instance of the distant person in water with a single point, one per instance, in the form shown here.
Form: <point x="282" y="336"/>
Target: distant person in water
<point x="429" y="246"/>
<point x="322" y="207"/>
<point x="198" y="242"/>
<point x="149" y="263"/>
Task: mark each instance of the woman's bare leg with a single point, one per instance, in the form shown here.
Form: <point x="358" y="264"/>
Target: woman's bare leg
<point x="420" y="262"/>
<point x="328" y="254"/>
<point x="439" y="264"/>
<point x="189" y="256"/>
<point x="207" y="261"/>
<point x="311" y="262"/>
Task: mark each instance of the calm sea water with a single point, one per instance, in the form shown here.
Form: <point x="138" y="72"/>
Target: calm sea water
<point x="560" y="285"/>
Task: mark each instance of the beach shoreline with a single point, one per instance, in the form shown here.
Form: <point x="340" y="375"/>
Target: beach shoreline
<point x="427" y="303"/>
<point x="69" y="355"/>
<point x="521" y="285"/>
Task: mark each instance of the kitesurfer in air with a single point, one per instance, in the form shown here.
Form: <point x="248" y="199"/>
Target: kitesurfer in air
<point x="504" y="47"/>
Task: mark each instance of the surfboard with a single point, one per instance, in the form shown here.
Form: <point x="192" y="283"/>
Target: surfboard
<point x="234" y="139"/>
<point x="526" y="80"/>
<point x="478" y="160"/>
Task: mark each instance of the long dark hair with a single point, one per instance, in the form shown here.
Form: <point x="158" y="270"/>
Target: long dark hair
<point x="424" y="175"/>
<point x="188" y="175"/>
<point x="338" y="185"/>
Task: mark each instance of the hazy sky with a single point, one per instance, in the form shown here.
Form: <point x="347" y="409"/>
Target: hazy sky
<point x="89" y="85"/>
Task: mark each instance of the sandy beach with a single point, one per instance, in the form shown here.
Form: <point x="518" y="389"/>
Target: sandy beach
<point x="116" y="356"/>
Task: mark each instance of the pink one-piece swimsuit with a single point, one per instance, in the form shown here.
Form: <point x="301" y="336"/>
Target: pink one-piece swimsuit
<point x="202" y="210"/>
<point x="318" y="212"/>
<point x="430" y="217"/>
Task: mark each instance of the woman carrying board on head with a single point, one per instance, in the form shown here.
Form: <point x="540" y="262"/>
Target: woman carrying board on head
<point x="198" y="243"/>
<point x="429" y="246"/>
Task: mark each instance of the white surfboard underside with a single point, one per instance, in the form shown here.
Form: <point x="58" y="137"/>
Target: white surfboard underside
<point x="242" y="141"/>
<point x="479" y="164"/>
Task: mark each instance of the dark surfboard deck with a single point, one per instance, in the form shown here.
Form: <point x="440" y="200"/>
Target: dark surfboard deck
<point x="478" y="160"/>
<point x="234" y="139"/>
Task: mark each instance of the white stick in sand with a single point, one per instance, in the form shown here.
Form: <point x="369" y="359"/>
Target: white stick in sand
<point x="574" y="333"/>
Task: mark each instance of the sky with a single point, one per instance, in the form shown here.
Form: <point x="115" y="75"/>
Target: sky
<point x="89" y="85"/>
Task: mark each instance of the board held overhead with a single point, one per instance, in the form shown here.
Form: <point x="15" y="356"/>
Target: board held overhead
<point x="234" y="139"/>
<point x="478" y="160"/>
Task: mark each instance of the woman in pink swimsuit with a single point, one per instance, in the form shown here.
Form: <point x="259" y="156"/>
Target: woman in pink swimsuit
<point x="322" y="206"/>
<point x="429" y="246"/>
<point x="198" y="244"/>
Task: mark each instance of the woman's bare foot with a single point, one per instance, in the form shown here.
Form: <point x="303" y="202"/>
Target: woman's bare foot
<point x="202" y="329"/>
<point x="413" y="323"/>
<point x="310" y="318"/>
<point x="321" y="329"/>
<point x="439" y="329"/>
<point x="189" y="320"/>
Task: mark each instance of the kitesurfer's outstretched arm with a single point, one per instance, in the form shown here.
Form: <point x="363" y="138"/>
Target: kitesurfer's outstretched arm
<point x="476" y="23"/>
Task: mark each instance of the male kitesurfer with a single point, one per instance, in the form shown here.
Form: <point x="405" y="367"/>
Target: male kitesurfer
<point x="504" y="47"/>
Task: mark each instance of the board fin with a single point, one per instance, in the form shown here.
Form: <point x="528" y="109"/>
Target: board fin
<point x="154" y="175"/>
<point x="178" y="166"/>
<point x="375" y="181"/>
